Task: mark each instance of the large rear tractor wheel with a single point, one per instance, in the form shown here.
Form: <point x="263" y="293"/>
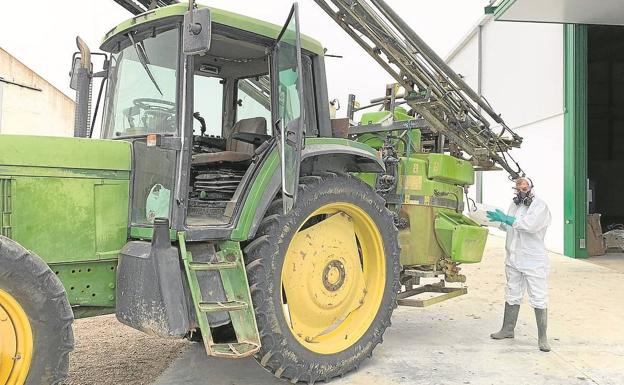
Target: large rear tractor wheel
<point x="35" y="320"/>
<point x="324" y="279"/>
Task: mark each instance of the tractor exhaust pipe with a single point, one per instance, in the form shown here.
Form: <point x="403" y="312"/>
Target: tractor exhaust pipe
<point x="81" y="81"/>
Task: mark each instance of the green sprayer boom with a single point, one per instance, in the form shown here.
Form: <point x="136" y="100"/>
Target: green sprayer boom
<point x="433" y="90"/>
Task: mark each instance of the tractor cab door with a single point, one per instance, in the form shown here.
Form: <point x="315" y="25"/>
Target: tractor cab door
<point x="288" y="105"/>
<point x="142" y="107"/>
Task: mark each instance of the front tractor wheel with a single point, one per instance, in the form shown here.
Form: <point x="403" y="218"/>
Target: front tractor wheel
<point x="323" y="278"/>
<point x="35" y="320"/>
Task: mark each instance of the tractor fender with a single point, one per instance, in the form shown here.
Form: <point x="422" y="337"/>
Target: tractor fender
<point x="340" y="157"/>
<point x="333" y="155"/>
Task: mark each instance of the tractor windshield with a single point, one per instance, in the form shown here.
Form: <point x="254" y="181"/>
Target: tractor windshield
<point x="142" y="94"/>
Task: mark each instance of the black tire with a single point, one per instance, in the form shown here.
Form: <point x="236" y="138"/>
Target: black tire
<point x="281" y="353"/>
<point x="40" y="293"/>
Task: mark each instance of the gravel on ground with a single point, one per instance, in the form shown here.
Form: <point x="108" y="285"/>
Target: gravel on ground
<point x="110" y="353"/>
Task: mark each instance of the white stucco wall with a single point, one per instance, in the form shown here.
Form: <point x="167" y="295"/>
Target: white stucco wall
<point x="466" y="62"/>
<point x="522" y="77"/>
<point x="25" y="111"/>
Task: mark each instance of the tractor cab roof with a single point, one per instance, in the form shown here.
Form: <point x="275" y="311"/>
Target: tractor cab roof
<point x="219" y="16"/>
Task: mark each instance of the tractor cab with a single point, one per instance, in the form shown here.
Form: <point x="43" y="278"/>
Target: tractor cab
<point x="202" y="125"/>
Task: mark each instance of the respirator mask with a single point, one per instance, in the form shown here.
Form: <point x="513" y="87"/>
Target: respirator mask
<point x="524" y="197"/>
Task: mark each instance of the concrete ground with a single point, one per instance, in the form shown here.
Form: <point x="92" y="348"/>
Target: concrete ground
<point x="613" y="261"/>
<point x="449" y="343"/>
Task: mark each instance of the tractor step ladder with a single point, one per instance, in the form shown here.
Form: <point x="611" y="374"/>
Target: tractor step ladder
<point x="234" y="277"/>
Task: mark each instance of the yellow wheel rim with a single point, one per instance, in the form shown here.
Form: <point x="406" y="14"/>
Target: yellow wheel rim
<point x="16" y="341"/>
<point x="333" y="278"/>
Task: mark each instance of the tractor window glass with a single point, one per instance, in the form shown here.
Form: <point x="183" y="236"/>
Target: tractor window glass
<point x="311" y="126"/>
<point x="254" y="98"/>
<point x="208" y="102"/>
<point x="289" y="103"/>
<point x="143" y="87"/>
<point x="288" y="95"/>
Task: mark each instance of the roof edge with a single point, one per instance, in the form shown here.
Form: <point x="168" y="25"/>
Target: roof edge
<point x="503" y="7"/>
<point x="219" y="16"/>
<point x="483" y="20"/>
<point x="38" y="75"/>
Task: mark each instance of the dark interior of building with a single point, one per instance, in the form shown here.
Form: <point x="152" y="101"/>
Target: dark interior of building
<point x="605" y="129"/>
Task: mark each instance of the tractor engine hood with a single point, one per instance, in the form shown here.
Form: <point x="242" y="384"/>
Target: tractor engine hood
<point x="66" y="199"/>
<point x="20" y="154"/>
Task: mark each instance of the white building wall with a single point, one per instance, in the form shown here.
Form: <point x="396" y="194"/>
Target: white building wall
<point x="522" y="77"/>
<point x="43" y="110"/>
<point x="466" y="62"/>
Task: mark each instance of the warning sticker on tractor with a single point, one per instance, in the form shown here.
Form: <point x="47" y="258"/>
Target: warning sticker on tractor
<point x="413" y="182"/>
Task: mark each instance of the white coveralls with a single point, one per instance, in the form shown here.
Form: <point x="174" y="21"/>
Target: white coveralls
<point x="526" y="265"/>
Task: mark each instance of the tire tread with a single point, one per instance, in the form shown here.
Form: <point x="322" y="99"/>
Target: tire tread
<point x="43" y="278"/>
<point x="256" y="253"/>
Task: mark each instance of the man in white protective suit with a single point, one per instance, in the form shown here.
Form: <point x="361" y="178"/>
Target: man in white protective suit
<point x="526" y="264"/>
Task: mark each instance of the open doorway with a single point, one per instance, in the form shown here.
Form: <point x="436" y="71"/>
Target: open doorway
<point x="605" y="123"/>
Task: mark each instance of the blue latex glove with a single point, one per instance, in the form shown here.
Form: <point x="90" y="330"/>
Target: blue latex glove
<point x="499" y="216"/>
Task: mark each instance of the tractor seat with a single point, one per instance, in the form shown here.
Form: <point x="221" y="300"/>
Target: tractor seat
<point x="235" y="150"/>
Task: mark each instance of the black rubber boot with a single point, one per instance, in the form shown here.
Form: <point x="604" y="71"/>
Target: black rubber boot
<point x="509" y="322"/>
<point x="541" y="316"/>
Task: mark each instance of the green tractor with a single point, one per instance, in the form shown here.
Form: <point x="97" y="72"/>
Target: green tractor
<point x="222" y="204"/>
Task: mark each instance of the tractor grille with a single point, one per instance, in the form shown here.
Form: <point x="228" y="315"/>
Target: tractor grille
<point x="5" y="207"/>
<point x="219" y="185"/>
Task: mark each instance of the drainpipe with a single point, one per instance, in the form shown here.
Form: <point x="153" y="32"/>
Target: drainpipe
<point x="478" y="31"/>
<point x="479" y="181"/>
<point x="83" y="91"/>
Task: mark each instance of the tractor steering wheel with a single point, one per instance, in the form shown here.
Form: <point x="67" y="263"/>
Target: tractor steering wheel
<point x="159" y="105"/>
<point x="159" y="115"/>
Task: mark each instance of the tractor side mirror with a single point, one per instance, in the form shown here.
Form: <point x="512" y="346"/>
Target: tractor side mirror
<point x="197" y="31"/>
